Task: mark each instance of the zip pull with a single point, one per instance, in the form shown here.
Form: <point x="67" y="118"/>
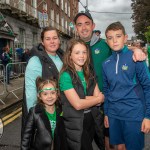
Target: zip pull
<point x="117" y="63"/>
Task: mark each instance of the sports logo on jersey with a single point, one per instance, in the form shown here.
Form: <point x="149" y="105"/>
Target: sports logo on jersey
<point x="124" y="67"/>
<point x="97" y="51"/>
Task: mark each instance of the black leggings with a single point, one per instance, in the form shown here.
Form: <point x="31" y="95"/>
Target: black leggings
<point x="88" y="132"/>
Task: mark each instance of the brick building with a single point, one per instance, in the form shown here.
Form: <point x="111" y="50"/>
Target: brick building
<point x="21" y="21"/>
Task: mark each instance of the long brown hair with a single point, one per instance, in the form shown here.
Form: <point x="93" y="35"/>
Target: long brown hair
<point x="69" y="65"/>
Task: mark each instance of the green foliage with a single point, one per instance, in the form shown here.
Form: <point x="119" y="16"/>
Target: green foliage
<point x="147" y="34"/>
<point x="141" y="17"/>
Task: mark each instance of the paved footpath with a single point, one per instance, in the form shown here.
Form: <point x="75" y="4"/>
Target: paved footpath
<point x="11" y="99"/>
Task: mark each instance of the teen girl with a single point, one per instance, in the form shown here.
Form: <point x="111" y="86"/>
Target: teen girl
<point x="44" y="129"/>
<point x="79" y="95"/>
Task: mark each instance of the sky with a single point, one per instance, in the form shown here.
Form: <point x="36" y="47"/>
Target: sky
<point x="102" y="20"/>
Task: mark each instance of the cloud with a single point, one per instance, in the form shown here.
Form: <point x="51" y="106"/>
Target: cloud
<point x="102" y="20"/>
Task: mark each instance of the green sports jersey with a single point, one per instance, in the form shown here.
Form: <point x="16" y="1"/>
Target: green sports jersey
<point x="100" y="51"/>
<point x="65" y="82"/>
<point x="52" y="119"/>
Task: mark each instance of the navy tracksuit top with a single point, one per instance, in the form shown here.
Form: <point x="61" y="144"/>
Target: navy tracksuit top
<point x="126" y="87"/>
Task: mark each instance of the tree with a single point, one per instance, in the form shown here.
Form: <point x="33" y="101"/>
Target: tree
<point x="141" y="17"/>
<point x="147" y="34"/>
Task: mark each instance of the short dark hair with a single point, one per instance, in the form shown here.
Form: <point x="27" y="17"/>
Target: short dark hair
<point x="97" y="31"/>
<point x="115" y="26"/>
<point x="86" y="13"/>
<point x="48" y="29"/>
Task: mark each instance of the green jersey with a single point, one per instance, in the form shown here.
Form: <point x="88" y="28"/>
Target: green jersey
<point x="100" y="51"/>
<point x="65" y="81"/>
<point x="52" y="119"/>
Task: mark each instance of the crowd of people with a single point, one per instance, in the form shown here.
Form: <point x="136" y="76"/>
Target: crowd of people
<point x="94" y="90"/>
<point x="6" y="58"/>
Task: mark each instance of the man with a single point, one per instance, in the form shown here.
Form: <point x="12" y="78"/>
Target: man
<point x="97" y="32"/>
<point x="85" y="25"/>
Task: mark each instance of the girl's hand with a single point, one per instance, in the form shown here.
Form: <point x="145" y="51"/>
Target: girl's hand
<point x="145" y="126"/>
<point x="101" y="97"/>
<point x="106" y="122"/>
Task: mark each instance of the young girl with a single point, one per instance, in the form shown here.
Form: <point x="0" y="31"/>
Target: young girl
<point x="79" y="95"/>
<point x="44" y="129"/>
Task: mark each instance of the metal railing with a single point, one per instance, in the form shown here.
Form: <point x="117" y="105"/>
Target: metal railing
<point x="11" y="79"/>
<point x="2" y="89"/>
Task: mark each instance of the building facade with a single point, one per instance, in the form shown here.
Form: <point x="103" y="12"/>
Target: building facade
<point x="21" y="21"/>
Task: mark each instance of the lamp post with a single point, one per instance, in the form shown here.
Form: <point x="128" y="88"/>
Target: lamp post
<point x="87" y="4"/>
<point x="85" y="7"/>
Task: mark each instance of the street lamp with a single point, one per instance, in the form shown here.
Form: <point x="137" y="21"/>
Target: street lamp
<point x="85" y="7"/>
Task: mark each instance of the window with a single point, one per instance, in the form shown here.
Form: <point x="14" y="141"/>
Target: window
<point x="34" y="10"/>
<point x="66" y="26"/>
<point x="57" y="2"/>
<point x="52" y="18"/>
<point x="62" y="23"/>
<point x="34" y="3"/>
<point x="34" y="38"/>
<point x="62" y="4"/>
<point x="66" y="7"/>
<point x="69" y="9"/>
<point x="22" y="5"/>
<point x="21" y="38"/>
<point x="57" y="20"/>
<point x="44" y="7"/>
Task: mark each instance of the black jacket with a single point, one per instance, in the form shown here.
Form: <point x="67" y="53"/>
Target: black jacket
<point x="73" y="119"/>
<point x="49" y="69"/>
<point x="37" y="132"/>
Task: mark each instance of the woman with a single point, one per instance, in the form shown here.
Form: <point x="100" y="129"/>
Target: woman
<point x="46" y="61"/>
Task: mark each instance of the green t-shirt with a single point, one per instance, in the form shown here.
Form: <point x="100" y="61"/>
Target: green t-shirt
<point x="65" y="82"/>
<point x="100" y="52"/>
<point x="52" y="119"/>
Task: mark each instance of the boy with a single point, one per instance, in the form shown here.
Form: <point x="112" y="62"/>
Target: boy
<point x="127" y="93"/>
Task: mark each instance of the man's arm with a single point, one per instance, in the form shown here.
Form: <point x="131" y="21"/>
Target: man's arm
<point x="138" y="54"/>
